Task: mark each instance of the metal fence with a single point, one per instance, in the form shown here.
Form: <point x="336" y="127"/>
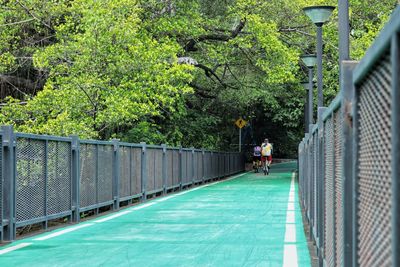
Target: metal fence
<point x="349" y="164"/>
<point x="43" y="178"/>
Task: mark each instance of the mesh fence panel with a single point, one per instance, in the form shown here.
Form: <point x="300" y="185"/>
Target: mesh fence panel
<point x="59" y="179"/>
<point x="307" y="177"/>
<point x="207" y="165"/>
<point x="315" y="189"/>
<point x="187" y="166"/>
<point x="195" y="166"/>
<point x="214" y="164"/>
<point x="221" y="164"/>
<point x="374" y="167"/>
<point x="176" y="167"/>
<point x="124" y="171"/>
<point x="184" y="167"/>
<point x="312" y="195"/>
<point x="30" y="179"/>
<point x="88" y="185"/>
<point x="150" y="165"/>
<point x="158" y="178"/>
<point x="199" y="164"/>
<point x="226" y="158"/>
<point x="170" y="168"/>
<point x="329" y="246"/>
<point x="338" y="141"/>
<point x="105" y="172"/>
<point x="136" y="167"/>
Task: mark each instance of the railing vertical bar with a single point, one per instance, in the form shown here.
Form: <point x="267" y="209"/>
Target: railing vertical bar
<point x="46" y="150"/>
<point x="321" y="184"/>
<point x="395" y="58"/>
<point x="116" y="173"/>
<point x="143" y="172"/>
<point x="356" y="163"/>
<point x="347" y="91"/>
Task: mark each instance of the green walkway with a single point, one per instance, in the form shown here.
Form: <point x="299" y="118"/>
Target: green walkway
<point x="251" y="220"/>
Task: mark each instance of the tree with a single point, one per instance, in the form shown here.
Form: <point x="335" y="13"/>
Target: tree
<point x="172" y="71"/>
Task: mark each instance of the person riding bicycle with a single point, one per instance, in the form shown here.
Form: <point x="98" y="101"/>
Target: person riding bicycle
<point x="256" y="158"/>
<point x="266" y="155"/>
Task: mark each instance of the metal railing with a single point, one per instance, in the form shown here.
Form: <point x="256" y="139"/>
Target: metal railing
<point x="48" y="177"/>
<point x="349" y="164"/>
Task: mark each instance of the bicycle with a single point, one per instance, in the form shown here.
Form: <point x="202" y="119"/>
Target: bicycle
<point x="256" y="166"/>
<point x="265" y="168"/>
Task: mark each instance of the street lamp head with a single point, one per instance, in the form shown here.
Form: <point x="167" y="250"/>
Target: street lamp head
<point x="319" y="14"/>
<point x="309" y="60"/>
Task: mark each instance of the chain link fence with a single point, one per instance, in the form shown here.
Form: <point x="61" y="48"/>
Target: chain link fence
<point x="356" y="183"/>
<point x="43" y="178"/>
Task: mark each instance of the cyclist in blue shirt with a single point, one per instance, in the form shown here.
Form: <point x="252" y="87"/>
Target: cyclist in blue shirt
<point x="256" y="158"/>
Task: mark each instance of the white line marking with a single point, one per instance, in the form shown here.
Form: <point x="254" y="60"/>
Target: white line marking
<point x="71" y="229"/>
<point x="162" y="200"/>
<point x="113" y="216"/>
<point x="274" y="164"/>
<point x="290" y="233"/>
<point x="290" y="256"/>
<point x="290" y="217"/>
<point x="290" y="250"/>
<point x="143" y="206"/>
<point x="9" y="249"/>
<point x="202" y="186"/>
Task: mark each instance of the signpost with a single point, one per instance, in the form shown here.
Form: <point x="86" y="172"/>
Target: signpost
<point x="240" y="123"/>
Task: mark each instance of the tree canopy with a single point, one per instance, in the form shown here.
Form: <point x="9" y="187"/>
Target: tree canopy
<point x="168" y="71"/>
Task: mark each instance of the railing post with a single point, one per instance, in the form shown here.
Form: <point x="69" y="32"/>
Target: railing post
<point x="9" y="186"/>
<point x="203" y="177"/>
<point x="321" y="184"/>
<point x="395" y="54"/>
<point x="116" y="173"/>
<point x="75" y="147"/>
<point x="347" y="91"/>
<point x="143" y="172"/>
<point x="211" y="166"/>
<point x="193" y="168"/>
<point x="180" y="168"/>
<point x="164" y="168"/>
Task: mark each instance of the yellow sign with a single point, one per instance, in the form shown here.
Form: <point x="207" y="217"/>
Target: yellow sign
<point x="240" y="123"/>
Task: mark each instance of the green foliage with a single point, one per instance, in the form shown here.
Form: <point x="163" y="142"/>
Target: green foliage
<point x="110" y="68"/>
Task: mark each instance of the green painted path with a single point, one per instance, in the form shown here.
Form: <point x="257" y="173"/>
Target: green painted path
<point x="251" y="220"/>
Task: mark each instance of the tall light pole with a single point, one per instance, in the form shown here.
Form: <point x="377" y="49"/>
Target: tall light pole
<point x="343" y="13"/>
<point x="310" y="61"/>
<point x="319" y="15"/>
<point x="306" y="109"/>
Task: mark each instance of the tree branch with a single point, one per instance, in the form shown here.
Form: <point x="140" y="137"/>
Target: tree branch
<point x="15" y="23"/>
<point x="19" y="82"/>
<point x="191" y="43"/>
<point x="29" y="12"/>
<point x="295" y="29"/>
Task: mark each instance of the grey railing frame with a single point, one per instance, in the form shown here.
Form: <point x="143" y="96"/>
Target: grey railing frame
<point x="197" y="170"/>
<point x="353" y="74"/>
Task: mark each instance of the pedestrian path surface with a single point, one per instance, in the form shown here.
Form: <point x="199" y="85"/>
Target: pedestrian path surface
<point x="249" y="220"/>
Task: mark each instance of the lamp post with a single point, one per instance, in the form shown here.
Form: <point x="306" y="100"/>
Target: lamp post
<point x="310" y="61"/>
<point x="319" y="15"/>
<point x="343" y="13"/>
<point x="307" y="104"/>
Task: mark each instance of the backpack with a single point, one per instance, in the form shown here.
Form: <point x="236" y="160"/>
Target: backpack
<point x="266" y="150"/>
